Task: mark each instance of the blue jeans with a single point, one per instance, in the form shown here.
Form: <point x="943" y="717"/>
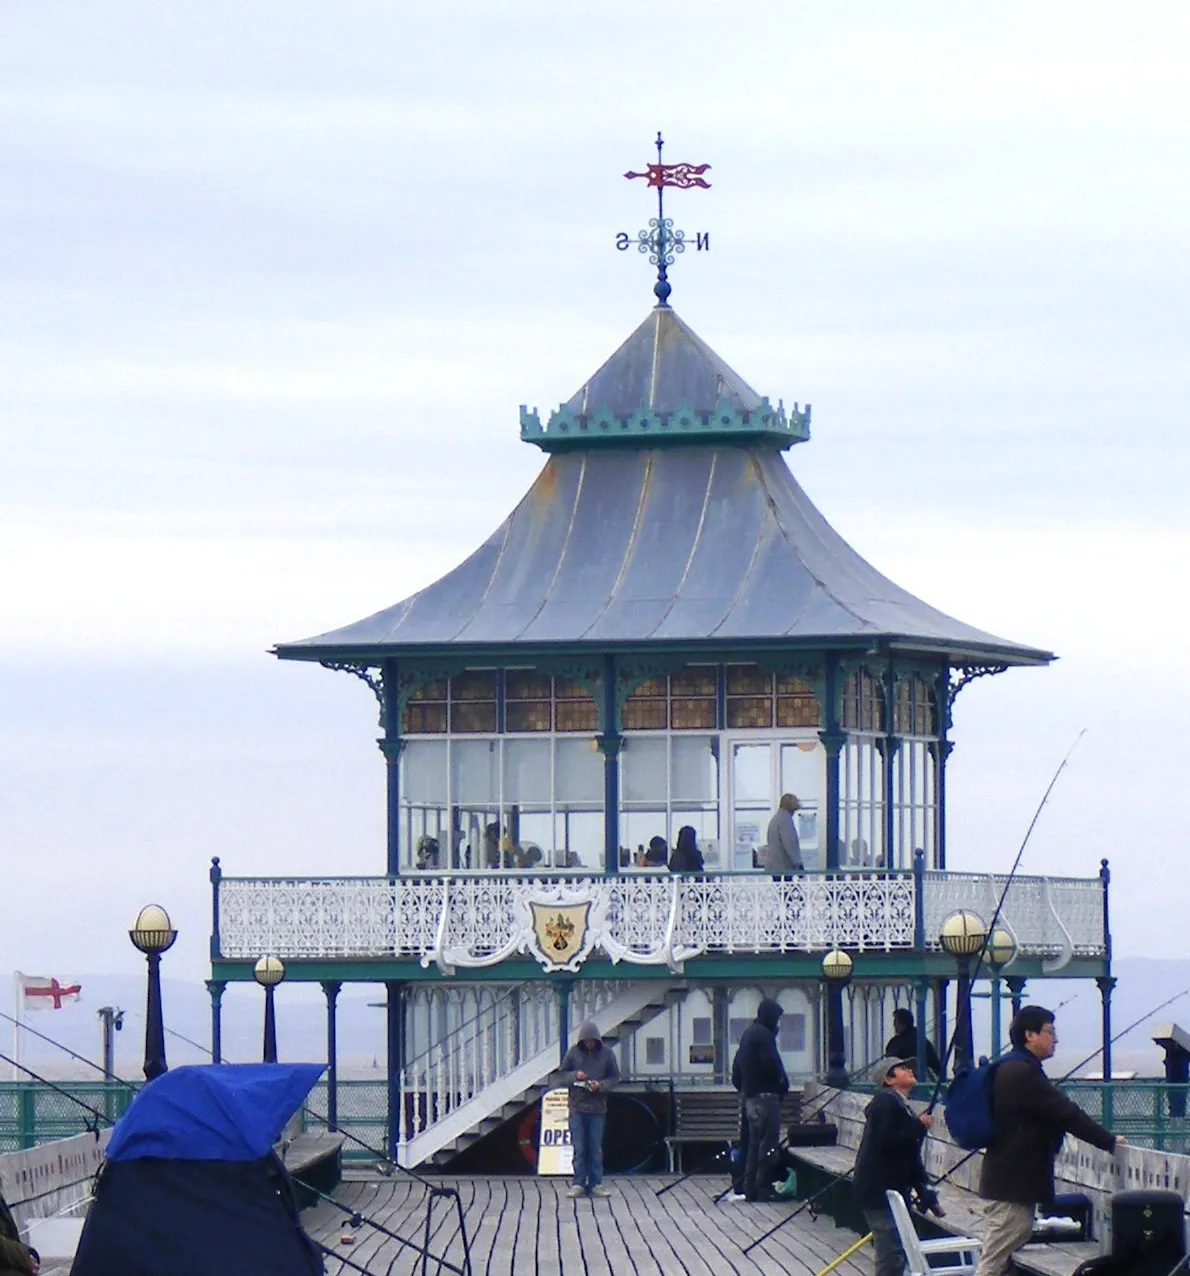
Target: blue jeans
<point x="586" y="1137"/>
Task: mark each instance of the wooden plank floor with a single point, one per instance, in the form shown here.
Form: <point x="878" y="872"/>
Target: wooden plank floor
<point x="528" y="1225"/>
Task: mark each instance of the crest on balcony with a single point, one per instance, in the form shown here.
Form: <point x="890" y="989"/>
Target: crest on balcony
<point x="560" y="933"/>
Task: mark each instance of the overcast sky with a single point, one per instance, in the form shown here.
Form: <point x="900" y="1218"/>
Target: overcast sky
<point x="274" y="279"/>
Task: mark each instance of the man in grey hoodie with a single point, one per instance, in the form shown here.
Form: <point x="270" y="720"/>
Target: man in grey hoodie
<point x="590" y="1071"/>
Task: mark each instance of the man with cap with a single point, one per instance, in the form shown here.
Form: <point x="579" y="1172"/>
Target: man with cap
<point x="588" y="1071"/>
<point x="758" y="1073"/>
<point x="889" y="1158"/>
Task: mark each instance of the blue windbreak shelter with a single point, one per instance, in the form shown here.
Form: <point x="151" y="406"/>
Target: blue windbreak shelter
<point x="191" y="1184"/>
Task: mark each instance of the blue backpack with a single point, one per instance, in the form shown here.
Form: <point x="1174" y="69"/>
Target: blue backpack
<point x="969" y="1104"/>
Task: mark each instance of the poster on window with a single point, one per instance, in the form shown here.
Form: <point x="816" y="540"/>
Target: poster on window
<point x="554" y="1153"/>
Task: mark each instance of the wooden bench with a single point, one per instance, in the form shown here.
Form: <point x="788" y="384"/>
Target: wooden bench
<point x="713" y="1116"/>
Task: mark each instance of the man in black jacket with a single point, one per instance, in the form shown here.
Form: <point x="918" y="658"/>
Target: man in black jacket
<point x="758" y="1073"/>
<point x="16" y="1258"/>
<point x="1031" y="1118"/>
<point x="903" y="1044"/>
<point x="889" y="1159"/>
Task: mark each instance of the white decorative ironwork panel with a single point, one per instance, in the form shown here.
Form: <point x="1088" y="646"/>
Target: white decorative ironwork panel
<point x="1045" y="915"/>
<point x="761" y="914"/>
<point x="479" y="919"/>
<point x="312" y="917"/>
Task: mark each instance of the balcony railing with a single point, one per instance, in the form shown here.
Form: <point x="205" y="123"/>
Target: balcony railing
<point x="475" y="919"/>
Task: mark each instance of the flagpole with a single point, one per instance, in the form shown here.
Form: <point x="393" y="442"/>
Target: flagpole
<point x="16" y="1025"/>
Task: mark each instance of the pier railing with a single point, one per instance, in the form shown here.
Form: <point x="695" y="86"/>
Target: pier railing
<point x="475" y="918"/>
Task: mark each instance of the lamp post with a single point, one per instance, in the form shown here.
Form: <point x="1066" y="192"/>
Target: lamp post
<point x="836" y="970"/>
<point x="153" y="934"/>
<point x="962" y="936"/>
<point x="1001" y="952"/>
<point x="268" y="973"/>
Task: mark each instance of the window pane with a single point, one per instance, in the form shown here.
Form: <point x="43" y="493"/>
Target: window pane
<point x="473" y="715"/>
<point x="749" y="711"/>
<point x="791" y="1035"/>
<point x="473" y="767"/>
<point x="474" y="685"/>
<point x="700" y="1028"/>
<point x="637" y="830"/>
<point x="576" y="715"/>
<point x="688" y="714"/>
<point x="654" y="1051"/>
<point x="423" y="771"/>
<point x="750" y="773"/>
<point x="578" y="772"/>
<point x="643" y="715"/>
<point x="527" y="715"/>
<point x="582" y="840"/>
<point x="747" y="680"/>
<point x="694" y="680"/>
<point x="695" y="774"/>
<point x="424" y="719"/>
<point x="526" y="684"/>
<point x="643" y="769"/>
<point x="526" y="770"/>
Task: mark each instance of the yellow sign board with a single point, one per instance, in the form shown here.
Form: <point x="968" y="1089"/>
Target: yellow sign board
<point x="555" y="1155"/>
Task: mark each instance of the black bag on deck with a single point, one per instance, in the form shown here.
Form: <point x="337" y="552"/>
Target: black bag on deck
<point x="812" y="1134"/>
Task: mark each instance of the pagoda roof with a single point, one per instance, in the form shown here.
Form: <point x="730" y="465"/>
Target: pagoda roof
<point x="674" y="545"/>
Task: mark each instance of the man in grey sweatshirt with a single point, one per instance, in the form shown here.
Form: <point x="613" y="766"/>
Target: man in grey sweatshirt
<point x="589" y="1071"/>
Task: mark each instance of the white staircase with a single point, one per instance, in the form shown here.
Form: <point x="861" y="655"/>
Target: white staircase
<point x="494" y="1065"/>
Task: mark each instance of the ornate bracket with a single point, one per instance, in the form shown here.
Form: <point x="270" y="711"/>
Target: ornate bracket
<point x="365" y="674"/>
<point x="959" y="678"/>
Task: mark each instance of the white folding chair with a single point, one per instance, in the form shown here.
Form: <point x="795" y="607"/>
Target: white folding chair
<point x="961" y="1251"/>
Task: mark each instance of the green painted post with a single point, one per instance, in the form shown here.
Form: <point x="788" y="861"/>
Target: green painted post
<point x="995" y="1011"/>
<point x="27" y="1100"/>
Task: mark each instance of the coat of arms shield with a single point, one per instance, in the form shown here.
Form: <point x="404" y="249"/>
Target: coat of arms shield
<point x="560" y="931"/>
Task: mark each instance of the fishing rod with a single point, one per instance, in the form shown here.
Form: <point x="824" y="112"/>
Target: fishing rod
<point x="1082" y="1064"/>
<point x="965" y="1016"/>
<point x="136" y="1086"/>
<point x="842" y="1178"/>
<point x="357" y="1217"/>
<point x="93" y="1128"/>
<point x="111" y="1076"/>
<point x="53" y="1085"/>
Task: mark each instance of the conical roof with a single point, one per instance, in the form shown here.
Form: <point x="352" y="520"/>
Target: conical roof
<point x="665" y="514"/>
<point x="664" y="385"/>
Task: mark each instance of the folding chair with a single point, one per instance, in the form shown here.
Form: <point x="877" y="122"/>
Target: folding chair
<point x="962" y="1251"/>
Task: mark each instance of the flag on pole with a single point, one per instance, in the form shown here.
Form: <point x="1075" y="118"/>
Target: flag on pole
<point x="37" y="992"/>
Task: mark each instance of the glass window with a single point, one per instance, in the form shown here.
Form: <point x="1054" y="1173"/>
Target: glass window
<point x="791" y="1035"/>
<point x="475" y="775"/>
<point x="700" y="1029"/>
<point x="684" y="702"/>
<point x="578" y="775"/>
<point x="654" y="1051"/>
<point x="644" y="769"/>
<point x="423" y="770"/>
<point x="527" y="775"/>
<point x="695" y="774"/>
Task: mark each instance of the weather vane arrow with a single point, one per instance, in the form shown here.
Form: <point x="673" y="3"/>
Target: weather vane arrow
<point x="661" y="241"/>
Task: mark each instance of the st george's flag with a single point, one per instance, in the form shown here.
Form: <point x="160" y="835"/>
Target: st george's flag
<point x="38" y="992"/>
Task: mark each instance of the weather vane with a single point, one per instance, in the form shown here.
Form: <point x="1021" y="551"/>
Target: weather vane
<point x="661" y="241"/>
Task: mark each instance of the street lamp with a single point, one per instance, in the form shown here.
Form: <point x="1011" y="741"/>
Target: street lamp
<point x="268" y="973"/>
<point x="1001" y="952"/>
<point x="153" y="934"/>
<point x="836" y="970"/>
<point x="963" y="935"/>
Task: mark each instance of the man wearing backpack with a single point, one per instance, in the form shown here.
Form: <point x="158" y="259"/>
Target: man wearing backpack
<point x="1031" y="1117"/>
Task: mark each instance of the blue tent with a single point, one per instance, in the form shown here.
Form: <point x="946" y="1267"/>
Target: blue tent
<point x="191" y="1184"/>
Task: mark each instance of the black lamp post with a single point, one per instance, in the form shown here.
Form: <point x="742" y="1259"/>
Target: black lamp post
<point x="963" y="935"/>
<point x="153" y="934"/>
<point x="268" y="973"/>
<point x="836" y="970"/>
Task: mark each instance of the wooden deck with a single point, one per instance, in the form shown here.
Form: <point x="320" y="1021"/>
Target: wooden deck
<point x="528" y="1225"/>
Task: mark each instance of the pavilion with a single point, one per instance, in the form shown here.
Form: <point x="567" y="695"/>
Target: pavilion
<point x="664" y="633"/>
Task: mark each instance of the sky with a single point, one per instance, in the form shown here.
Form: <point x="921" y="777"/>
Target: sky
<point x="275" y="279"/>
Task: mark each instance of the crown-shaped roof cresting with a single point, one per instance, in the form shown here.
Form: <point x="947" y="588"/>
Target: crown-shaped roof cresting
<point x="665" y="383"/>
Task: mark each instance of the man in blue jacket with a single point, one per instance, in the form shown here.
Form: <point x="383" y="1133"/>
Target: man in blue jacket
<point x="758" y="1073"/>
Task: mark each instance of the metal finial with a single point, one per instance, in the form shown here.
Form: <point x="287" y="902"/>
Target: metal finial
<point x="661" y="241"/>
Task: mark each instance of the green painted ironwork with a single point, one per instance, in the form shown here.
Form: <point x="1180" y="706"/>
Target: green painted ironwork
<point x="726" y="422"/>
<point x="32" y="1113"/>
